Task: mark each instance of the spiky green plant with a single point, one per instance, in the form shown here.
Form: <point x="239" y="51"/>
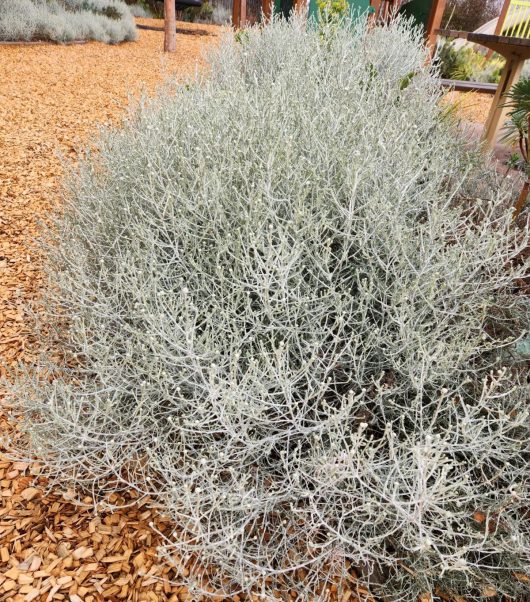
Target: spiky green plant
<point x="516" y="131"/>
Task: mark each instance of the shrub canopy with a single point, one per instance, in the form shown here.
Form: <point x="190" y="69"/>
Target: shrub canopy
<point x="285" y="299"/>
<point x="107" y="21"/>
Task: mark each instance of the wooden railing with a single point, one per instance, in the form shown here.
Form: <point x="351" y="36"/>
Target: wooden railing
<point x="514" y="20"/>
<point x="517" y="23"/>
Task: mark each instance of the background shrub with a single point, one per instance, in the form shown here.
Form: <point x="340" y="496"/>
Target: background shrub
<point x="468" y="64"/>
<point x="468" y="15"/>
<point x="285" y="302"/>
<point x="220" y="14"/>
<point x="108" y="21"/>
<point x="139" y="8"/>
<point x="201" y="14"/>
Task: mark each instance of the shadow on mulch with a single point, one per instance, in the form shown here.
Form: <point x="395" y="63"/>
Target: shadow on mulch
<point x="188" y="32"/>
<point x="40" y="42"/>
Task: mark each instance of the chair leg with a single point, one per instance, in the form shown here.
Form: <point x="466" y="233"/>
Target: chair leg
<point x="498" y="112"/>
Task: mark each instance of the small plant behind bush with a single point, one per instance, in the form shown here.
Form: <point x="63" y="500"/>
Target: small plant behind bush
<point x="466" y="64"/>
<point x="221" y="15"/>
<point x="107" y="21"/>
<point x="139" y="8"/>
<point x="284" y="298"/>
<point x="202" y="14"/>
<point x="331" y="12"/>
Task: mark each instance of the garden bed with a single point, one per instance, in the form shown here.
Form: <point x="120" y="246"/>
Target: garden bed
<point x="473" y="106"/>
<point x="53" y="99"/>
<point x="54" y="546"/>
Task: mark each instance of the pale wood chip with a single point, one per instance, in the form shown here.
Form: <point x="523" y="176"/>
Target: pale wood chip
<point x="31" y="595"/>
<point x="30" y="493"/>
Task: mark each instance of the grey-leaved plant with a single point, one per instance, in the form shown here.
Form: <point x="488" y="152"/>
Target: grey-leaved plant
<point x="108" y="21"/>
<point x="285" y="299"/>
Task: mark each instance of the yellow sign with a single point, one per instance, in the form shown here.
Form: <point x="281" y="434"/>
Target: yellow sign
<point x="517" y="24"/>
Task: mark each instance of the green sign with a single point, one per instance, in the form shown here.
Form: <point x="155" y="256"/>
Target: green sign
<point x="419" y="9"/>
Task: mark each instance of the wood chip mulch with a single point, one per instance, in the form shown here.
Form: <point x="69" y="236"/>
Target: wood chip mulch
<point x="52" y="98"/>
<point x="53" y="548"/>
<point x="472" y="106"/>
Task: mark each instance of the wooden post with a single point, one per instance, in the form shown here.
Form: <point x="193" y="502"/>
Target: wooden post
<point x="266" y="9"/>
<point x="498" y="112"/>
<point x="236" y="13"/>
<point x="376" y="5"/>
<point x="170" y="26"/>
<point x="500" y="23"/>
<point x="300" y="5"/>
<point x="242" y="13"/>
<point x="502" y="18"/>
<point x="434" y="22"/>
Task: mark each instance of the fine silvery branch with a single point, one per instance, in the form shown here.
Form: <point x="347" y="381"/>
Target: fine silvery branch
<point x="285" y="296"/>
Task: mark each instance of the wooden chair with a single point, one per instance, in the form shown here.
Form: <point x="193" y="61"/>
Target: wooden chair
<point x="514" y="20"/>
<point x="511" y="39"/>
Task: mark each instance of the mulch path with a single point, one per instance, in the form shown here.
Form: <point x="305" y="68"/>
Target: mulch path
<point x="472" y="106"/>
<point x="52" y="98"/>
